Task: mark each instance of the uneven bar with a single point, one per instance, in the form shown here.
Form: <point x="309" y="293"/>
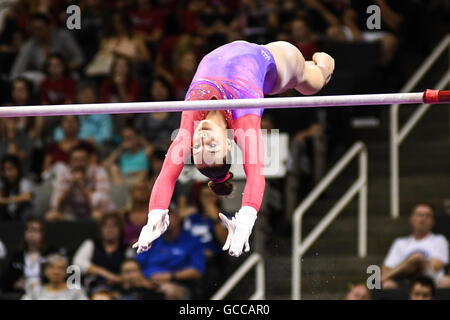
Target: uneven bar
<point x="266" y="103"/>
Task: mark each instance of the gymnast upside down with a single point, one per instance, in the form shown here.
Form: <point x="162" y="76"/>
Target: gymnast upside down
<point x="238" y="70"/>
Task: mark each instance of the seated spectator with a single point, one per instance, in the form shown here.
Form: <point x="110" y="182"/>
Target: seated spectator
<point x="129" y="162"/>
<point x="422" y="288"/>
<point x="358" y="292"/>
<point x="15" y="141"/>
<point x="58" y="153"/>
<point x="94" y="26"/>
<point x="58" y="87"/>
<point x="205" y="223"/>
<point x="34" y="127"/>
<point x="185" y="68"/>
<point x="55" y="271"/>
<point x="21" y="95"/>
<point x="207" y="227"/>
<point x="157" y="127"/>
<point x="100" y="260"/>
<point x="95" y="128"/>
<point x="175" y="262"/>
<point x="121" y="85"/>
<point x="148" y="21"/>
<point x="136" y="216"/>
<point x="124" y="41"/>
<point x="16" y="191"/>
<point x="31" y="58"/>
<point x="134" y="285"/>
<point x="25" y="267"/>
<point x="81" y="190"/>
<point x="422" y="253"/>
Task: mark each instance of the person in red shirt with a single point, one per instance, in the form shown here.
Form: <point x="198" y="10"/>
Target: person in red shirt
<point x="120" y="86"/>
<point x="148" y="21"/>
<point x="58" y="87"/>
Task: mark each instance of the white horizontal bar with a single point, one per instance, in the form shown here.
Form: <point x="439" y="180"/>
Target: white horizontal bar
<point x="176" y="106"/>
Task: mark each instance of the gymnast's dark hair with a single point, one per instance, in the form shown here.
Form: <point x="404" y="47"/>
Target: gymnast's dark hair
<point x="219" y="172"/>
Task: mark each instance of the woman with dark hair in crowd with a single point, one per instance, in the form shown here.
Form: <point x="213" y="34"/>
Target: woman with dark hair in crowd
<point x="123" y="41"/>
<point x="16" y="191"/>
<point x="206" y="225"/>
<point x="58" y="87"/>
<point x="25" y="267"/>
<point x="135" y="216"/>
<point x="59" y="152"/>
<point x="157" y="127"/>
<point x="100" y="260"/>
<point x="121" y="85"/>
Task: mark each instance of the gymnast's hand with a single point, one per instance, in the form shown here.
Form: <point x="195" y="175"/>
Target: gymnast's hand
<point x="239" y="230"/>
<point x="157" y="223"/>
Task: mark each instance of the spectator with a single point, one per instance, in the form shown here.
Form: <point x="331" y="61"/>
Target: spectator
<point x="136" y="216"/>
<point x="421" y="253"/>
<point x="175" y="262"/>
<point x="148" y="21"/>
<point x="58" y="153"/>
<point x="15" y="141"/>
<point x="94" y="26"/>
<point x="303" y="37"/>
<point x="58" y="87"/>
<point x="134" y="285"/>
<point x="81" y="190"/>
<point x="32" y="56"/>
<point x="121" y="85"/>
<point x="122" y="41"/>
<point x="207" y="227"/>
<point x="55" y="270"/>
<point x="185" y="67"/>
<point x="422" y="288"/>
<point x="100" y="260"/>
<point x="358" y="292"/>
<point x="205" y="223"/>
<point x="25" y="267"/>
<point x="16" y="191"/>
<point x="157" y="127"/>
<point x="22" y="95"/>
<point x="96" y="128"/>
<point x="129" y="162"/>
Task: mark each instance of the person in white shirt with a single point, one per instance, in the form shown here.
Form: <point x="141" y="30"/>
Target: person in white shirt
<point x="423" y="252"/>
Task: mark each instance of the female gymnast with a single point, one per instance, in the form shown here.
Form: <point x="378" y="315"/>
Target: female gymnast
<point x="238" y="70"/>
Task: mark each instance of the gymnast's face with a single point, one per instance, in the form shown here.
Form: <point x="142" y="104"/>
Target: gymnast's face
<point x="210" y="144"/>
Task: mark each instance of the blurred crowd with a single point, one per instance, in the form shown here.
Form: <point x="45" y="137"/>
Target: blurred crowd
<point x="127" y="51"/>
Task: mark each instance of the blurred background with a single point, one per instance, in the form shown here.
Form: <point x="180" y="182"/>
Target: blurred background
<point x="74" y="190"/>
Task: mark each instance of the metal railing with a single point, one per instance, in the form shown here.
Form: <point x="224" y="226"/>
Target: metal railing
<point x="397" y="136"/>
<point x="260" y="291"/>
<point x="300" y="247"/>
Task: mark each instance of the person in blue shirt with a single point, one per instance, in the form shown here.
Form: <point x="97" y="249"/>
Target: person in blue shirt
<point x="175" y="262"/>
<point x="130" y="161"/>
<point x="207" y="227"/>
<point x="96" y="128"/>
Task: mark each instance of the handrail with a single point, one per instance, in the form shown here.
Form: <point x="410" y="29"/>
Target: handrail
<point x="397" y="136"/>
<point x="254" y="259"/>
<point x="299" y="248"/>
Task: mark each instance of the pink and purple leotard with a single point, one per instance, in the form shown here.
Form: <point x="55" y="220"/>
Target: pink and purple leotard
<point x="238" y="70"/>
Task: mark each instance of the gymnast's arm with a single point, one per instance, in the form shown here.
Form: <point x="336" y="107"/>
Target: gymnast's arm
<point x="179" y="151"/>
<point x="249" y="139"/>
